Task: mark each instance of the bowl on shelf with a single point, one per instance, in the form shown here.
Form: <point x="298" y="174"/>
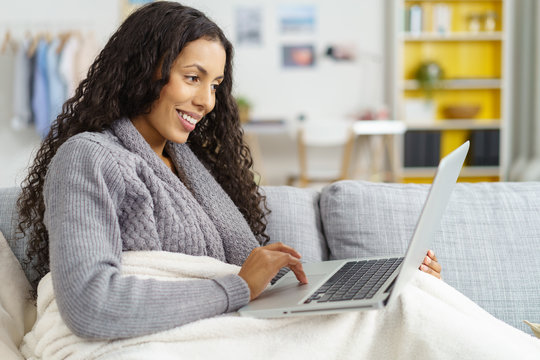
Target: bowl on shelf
<point x="462" y="111"/>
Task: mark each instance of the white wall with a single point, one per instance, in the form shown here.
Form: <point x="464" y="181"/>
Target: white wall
<point x="328" y="89"/>
<point x="99" y="16"/>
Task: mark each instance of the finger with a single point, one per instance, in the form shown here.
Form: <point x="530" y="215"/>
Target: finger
<point x="299" y="273"/>
<point x="434" y="265"/>
<point x="431" y="254"/>
<point x="296" y="266"/>
<point x="430" y="271"/>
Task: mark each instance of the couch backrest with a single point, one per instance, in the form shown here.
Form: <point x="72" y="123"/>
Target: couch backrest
<point x="295" y="220"/>
<point x="488" y="242"/>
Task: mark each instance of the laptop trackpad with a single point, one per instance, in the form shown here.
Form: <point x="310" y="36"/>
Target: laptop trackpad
<point x="290" y="286"/>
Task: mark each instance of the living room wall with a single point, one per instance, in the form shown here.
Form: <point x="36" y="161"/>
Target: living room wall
<point x="328" y="88"/>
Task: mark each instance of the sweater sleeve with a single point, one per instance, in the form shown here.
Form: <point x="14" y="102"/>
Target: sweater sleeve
<point x="83" y="188"/>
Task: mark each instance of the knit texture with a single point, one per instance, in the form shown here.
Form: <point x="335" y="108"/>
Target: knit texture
<point x="109" y="192"/>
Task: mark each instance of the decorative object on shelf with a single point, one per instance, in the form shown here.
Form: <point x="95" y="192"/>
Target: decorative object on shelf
<point x="474" y="22"/>
<point x="419" y="111"/>
<point x="244" y="108"/>
<point x="429" y="76"/>
<point x="461" y="111"/>
<point x="490" y="21"/>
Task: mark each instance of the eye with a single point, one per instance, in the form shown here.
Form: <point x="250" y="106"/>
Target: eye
<point x="214" y="87"/>
<point x="193" y="78"/>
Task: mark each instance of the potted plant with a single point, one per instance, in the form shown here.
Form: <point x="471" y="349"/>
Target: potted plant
<point x="429" y="76"/>
<point x="423" y="110"/>
<point x="244" y="107"/>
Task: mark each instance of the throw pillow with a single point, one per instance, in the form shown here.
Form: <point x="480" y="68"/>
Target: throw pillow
<point x="486" y="243"/>
<point x="363" y="219"/>
<point x="17" y="311"/>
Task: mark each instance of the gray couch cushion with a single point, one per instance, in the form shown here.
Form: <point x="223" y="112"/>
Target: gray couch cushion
<point x="488" y="242"/>
<point x="8" y="223"/>
<point x="295" y="220"/>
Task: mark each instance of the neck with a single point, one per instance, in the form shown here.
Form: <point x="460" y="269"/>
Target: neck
<point x="152" y="137"/>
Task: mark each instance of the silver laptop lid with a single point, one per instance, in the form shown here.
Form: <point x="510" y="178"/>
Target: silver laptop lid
<point x="430" y="218"/>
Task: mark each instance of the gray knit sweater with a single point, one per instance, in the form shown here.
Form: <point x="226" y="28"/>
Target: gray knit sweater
<point x="109" y="192"/>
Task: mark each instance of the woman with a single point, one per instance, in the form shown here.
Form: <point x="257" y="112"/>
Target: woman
<point x="148" y="155"/>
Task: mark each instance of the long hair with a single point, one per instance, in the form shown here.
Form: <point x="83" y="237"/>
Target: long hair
<point x="122" y="83"/>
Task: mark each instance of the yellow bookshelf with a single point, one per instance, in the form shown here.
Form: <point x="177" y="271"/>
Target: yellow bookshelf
<point x="467" y="39"/>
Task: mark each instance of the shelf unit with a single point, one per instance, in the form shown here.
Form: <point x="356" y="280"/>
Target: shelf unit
<point x="475" y="66"/>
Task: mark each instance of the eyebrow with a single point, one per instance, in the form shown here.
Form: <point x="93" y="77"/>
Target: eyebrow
<point x="203" y="70"/>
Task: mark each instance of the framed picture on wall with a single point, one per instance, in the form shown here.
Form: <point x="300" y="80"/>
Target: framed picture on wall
<point x="296" y="18"/>
<point x="248" y="25"/>
<point x="128" y="6"/>
<point x="298" y="56"/>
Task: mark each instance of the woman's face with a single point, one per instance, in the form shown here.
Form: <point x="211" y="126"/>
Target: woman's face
<point x="187" y="97"/>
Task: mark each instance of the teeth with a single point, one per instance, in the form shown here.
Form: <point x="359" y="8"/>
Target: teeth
<point x="189" y="119"/>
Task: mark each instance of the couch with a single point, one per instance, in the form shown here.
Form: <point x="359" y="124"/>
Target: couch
<point x="488" y="241"/>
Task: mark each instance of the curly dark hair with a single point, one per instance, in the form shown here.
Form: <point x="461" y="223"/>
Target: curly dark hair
<point x="122" y="83"/>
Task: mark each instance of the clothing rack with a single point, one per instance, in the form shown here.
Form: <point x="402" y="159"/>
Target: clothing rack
<point x="48" y="64"/>
<point x="10" y="40"/>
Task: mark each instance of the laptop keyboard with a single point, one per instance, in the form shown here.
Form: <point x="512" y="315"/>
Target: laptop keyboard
<point x="356" y="280"/>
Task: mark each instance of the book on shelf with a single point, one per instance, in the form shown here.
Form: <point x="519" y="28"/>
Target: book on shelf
<point x="415" y="21"/>
<point x="428" y="18"/>
<point x="493" y="147"/>
<point x="442" y="18"/>
<point x="485" y="147"/>
<point x="422" y="148"/>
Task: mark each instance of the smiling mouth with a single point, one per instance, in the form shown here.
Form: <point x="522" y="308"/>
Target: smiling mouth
<point x="186" y="117"/>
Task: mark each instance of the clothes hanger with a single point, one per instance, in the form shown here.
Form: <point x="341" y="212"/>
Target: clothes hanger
<point x="33" y="45"/>
<point x="7" y="42"/>
<point x="63" y="40"/>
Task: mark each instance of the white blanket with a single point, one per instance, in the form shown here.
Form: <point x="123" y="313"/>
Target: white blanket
<point x="429" y="320"/>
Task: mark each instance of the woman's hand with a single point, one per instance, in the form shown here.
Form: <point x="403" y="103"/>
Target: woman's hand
<point x="264" y="263"/>
<point x="430" y="265"/>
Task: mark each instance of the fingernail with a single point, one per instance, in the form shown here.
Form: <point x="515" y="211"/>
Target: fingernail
<point x="430" y="253"/>
<point x="424" y="267"/>
<point x="427" y="260"/>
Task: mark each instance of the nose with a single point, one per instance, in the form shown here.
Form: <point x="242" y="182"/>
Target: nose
<point x="204" y="98"/>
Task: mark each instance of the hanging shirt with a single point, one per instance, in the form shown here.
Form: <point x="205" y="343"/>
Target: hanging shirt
<point x="22" y="69"/>
<point x="86" y="54"/>
<point x="7" y="62"/>
<point x="66" y="65"/>
<point x="40" y="90"/>
<point x="56" y="86"/>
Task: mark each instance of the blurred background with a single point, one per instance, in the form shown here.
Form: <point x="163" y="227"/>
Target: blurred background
<point x="343" y="89"/>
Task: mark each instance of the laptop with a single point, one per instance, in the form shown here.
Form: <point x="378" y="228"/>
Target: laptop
<point x="361" y="284"/>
